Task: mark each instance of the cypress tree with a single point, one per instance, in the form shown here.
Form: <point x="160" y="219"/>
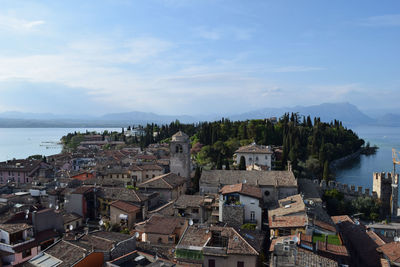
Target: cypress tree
<point x="242" y="163"/>
<point x="326" y="171"/>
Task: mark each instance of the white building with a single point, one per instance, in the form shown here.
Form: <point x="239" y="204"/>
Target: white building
<point x="256" y="156"/>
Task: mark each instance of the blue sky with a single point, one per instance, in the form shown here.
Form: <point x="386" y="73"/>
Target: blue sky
<point x="193" y="57"/>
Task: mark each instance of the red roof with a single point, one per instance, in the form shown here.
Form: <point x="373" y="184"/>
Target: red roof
<point x="124" y="206"/>
<point x="83" y="176"/>
<point x="243" y="189"/>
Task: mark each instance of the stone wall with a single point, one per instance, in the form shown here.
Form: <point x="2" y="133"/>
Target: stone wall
<point x="349" y="191"/>
<point x="233" y="215"/>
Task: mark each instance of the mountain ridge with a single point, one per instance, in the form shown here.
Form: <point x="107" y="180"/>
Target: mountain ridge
<point x="348" y="113"/>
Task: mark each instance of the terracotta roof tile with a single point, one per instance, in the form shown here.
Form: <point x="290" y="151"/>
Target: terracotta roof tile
<point x="124" y="206"/>
<point x="391" y="250"/>
<point x="287" y="221"/>
<point x="243" y="189"/>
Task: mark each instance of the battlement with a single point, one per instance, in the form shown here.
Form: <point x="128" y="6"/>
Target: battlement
<point x="384" y="177"/>
<point x="350" y="191"/>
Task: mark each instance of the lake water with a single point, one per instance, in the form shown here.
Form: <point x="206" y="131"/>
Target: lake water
<point x="24" y="142"/>
<point x="359" y="170"/>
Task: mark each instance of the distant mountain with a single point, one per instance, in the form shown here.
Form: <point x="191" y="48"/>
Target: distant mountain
<point x="145" y="117"/>
<point x="345" y="112"/>
<point x="389" y="119"/>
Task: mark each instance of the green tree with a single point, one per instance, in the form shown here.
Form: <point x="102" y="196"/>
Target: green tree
<point x="196" y="179"/>
<point x="326" y="171"/>
<point x="242" y="163"/>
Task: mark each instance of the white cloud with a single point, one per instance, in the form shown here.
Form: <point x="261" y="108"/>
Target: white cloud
<point x="383" y="20"/>
<point x="10" y="23"/>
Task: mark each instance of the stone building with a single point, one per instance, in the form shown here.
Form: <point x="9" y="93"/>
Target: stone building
<point x="180" y="155"/>
<point x="386" y="188"/>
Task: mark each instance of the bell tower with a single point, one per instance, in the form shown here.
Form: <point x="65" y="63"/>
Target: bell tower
<point x="180" y="155"/>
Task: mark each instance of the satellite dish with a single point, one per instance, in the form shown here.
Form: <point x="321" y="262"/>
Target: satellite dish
<point x="57" y="207"/>
<point x="27" y="211"/>
<point x="244" y="181"/>
<point x="71" y="227"/>
<point x="101" y="222"/>
<point x="296" y="239"/>
<point x="190" y="222"/>
<point x="26" y="216"/>
<point x="50" y="205"/>
<point x="396" y="239"/>
<point x="56" y="188"/>
<point x="137" y="234"/>
<point x="357" y="222"/>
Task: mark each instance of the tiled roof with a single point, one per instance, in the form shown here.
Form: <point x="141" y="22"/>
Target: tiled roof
<point x="163" y="225"/>
<point x="189" y="201"/>
<point x="338" y="250"/>
<point x="287" y="221"/>
<point x="258" y="178"/>
<point x="66" y="252"/>
<point x="391" y="251"/>
<point x="14" y="227"/>
<point x="325" y="225"/>
<point x="341" y="218"/>
<point x="254" y="148"/>
<point x="243" y="189"/>
<point x="376" y="238"/>
<point x="237" y="244"/>
<point x="83" y="190"/>
<point x="124" y="206"/>
<point x="165" y="181"/>
<point x="121" y="193"/>
<point x="20" y="165"/>
<point x="290" y="205"/>
<point x="151" y="167"/>
<point x="195" y="236"/>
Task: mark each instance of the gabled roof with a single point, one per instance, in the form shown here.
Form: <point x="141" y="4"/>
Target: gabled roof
<point x="217" y="178"/>
<point x="125" y="206"/>
<point x="287" y="221"/>
<point x="163" y="225"/>
<point x="391" y="251"/>
<point x="255" y="149"/>
<point x="243" y="189"/>
<point x="165" y="181"/>
<point x="83" y="190"/>
<point x="290" y="205"/>
<point x="189" y="201"/>
<point x="121" y="193"/>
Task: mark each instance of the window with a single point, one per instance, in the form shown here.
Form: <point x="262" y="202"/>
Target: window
<point x="252" y="216"/>
<point x="266" y="157"/>
<point x="195" y="210"/>
<point x="240" y="264"/>
<point x="26" y="253"/>
<point x="256" y="158"/>
<point x="211" y="263"/>
<point x="266" y="193"/>
<point x="170" y="239"/>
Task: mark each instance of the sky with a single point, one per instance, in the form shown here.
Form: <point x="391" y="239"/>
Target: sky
<point x="197" y="56"/>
